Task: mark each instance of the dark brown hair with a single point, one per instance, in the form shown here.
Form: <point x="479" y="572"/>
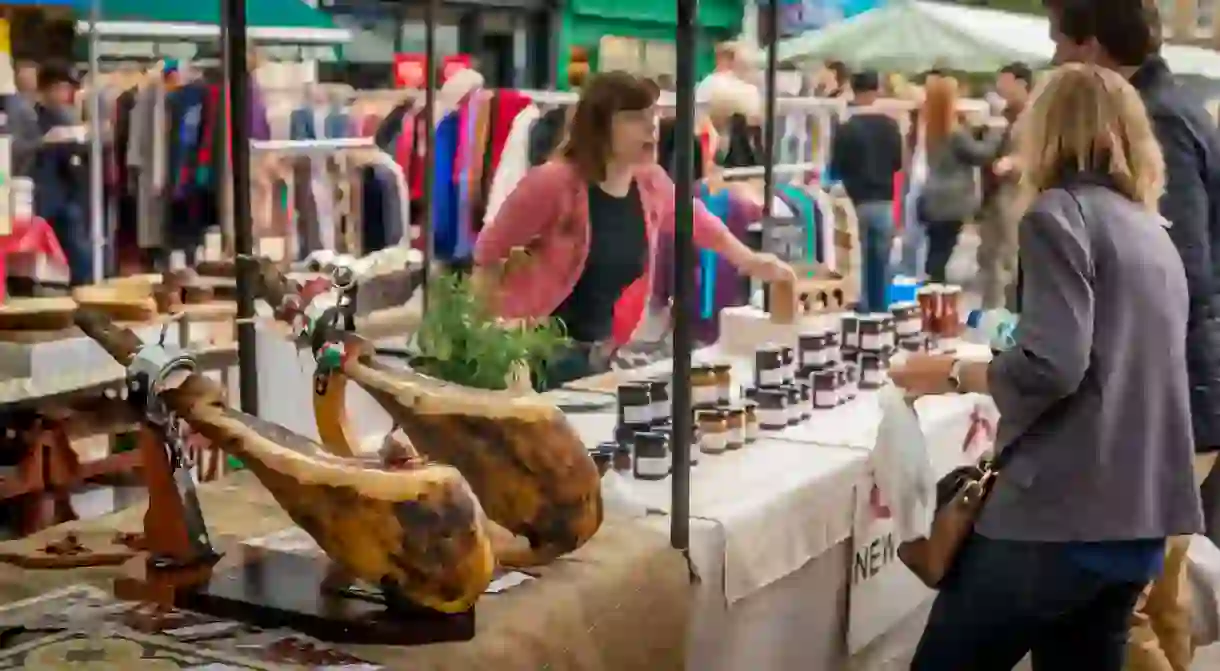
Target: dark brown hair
<point x="1129" y="30"/>
<point x="604" y="95"/>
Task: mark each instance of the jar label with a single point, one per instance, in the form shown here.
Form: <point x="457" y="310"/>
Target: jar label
<point x="713" y="442"/>
<point x="874" y="376"/>
<point x="637" y="414"/>
<point x="771" y="378"/>
<point x="816" y="357"/>
<point x="772" y="416"/>
<point x="826" y="398"/>
<point x="737" y="435"/>
<point x="706" y="395"/>
<point x="660" y="410"/>
<point x="724" y="394"/>
<point x="872" y="342"/>
<point x="651" y="466"/>
<point x="751" y="431"/>
<point x="908" y="327"/>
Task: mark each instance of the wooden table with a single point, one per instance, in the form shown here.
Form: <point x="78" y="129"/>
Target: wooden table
<point x="620" y="603"/>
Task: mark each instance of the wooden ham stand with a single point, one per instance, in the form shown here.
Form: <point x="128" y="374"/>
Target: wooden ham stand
<point x="263" y="587"/>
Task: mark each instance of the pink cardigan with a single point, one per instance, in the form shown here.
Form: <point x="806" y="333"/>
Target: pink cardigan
<point x="548" y="214"/>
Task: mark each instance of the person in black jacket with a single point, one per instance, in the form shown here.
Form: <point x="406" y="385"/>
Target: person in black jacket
<point x="1124" y="35"/>
<point x="61" y="178"/>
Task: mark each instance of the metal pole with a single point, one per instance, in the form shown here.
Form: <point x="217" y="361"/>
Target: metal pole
<point x="772" y="23"/>
<point x="97" y="194"/>
<point x="684" y="268"/>
<point x="237" y="83"/>
<point x="430" y="12"/>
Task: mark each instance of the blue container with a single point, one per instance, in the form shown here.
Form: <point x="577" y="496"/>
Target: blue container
<point x="902" y="289"/>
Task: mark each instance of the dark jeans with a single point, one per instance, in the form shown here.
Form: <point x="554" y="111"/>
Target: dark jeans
<point x="71" y="226"/>
<point x="1009" y="598"/>
<point x="876" y="222"/>
<point x="942" y="238"/>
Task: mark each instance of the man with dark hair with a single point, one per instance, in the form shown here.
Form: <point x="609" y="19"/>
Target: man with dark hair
<point x="1124" y="35"/>
<point x="998" y="218"/>
<point x="865" y="155"/>
<point x="61" y="186"/>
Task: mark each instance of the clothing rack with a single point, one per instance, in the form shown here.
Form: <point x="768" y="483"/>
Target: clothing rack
<point x="756" y="171"/>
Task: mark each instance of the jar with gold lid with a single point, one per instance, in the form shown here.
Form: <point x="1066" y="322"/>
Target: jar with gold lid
<point x="735" y="420"/>
<point x="752" y="428"/>
<point x="724" y="382"/>
<point x="713" y="431"/>
<point x="704" y="386"/>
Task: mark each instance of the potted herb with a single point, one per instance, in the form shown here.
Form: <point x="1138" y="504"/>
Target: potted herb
<point x="461" y="341"/>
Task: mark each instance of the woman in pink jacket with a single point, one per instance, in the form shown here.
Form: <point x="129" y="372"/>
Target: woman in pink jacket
<point x="589" y="219"/>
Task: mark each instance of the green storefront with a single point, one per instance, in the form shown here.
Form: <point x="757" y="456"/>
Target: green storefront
<point x="638" y="35"/>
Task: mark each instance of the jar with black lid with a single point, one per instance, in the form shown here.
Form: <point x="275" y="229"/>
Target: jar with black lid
<point x="603" y="456"/>
<point x="748" y="393"/>
<point x="805" y="384"/>
<point x="768" y="367"/>
<point x="713" y="431"/>
<point x="794" y="404"/>
<point x="850" y="331"/>
<point x="913" y="343"/>
<point x="736" y="420"/>
<point x="890" y="330"/>
<point x="872" y="371"/>
<point x="662" y="410"/>
<point x="635" y="405"/>
<point x="851" y="381"/>
<point x="693" y="445"/>
<point x="752" y="427"/>
<point x="834" y="345"/>
<point x="772" y="409"/>
<point x="652" y="457"/>
<point x="622" y="456"/>
<point x="724" y="382"/>
<point x="788" y="362"/>
<point x="704" y="388"/>
<point x="826" y="389"/>
<point x="872" y="334"/>
<point x="811" y="347"/>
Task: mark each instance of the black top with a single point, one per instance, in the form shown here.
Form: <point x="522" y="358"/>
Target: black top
<point x="866" y="153"/>
<point x="618" y="248"/>
<point x="1191" y="146"/>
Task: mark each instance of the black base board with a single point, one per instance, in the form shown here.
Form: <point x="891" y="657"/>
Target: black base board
<point x="280" y="589"/>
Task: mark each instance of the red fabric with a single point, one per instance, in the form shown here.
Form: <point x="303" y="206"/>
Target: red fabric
<point x="629" y="310"/>
<point x="508" y="105"/>
<point x="404" y="151"/>
<point x="29" y="236"/>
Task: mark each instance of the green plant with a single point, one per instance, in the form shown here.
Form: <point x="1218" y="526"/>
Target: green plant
<point x="461" y="341"/>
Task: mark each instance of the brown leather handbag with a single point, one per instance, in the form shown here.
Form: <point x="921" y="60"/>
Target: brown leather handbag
<point x="960" y="496"/>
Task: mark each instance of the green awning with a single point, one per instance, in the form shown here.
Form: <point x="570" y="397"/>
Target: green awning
<point x="290" y="21"/>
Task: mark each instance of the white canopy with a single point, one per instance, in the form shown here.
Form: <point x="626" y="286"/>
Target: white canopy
<point x="970" y="35"/>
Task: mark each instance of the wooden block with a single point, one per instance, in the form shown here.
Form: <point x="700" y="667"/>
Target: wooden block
<point x="783" y="302"/>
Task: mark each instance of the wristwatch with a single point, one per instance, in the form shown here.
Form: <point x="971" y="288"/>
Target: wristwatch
<point x="955" y="375"/>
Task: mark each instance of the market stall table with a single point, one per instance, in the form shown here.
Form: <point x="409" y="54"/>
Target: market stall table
<point x="620" y="602"/>
<point x="771" y="534"/>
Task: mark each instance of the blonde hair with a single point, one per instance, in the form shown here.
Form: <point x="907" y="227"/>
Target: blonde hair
<point x="1085" y="118"/>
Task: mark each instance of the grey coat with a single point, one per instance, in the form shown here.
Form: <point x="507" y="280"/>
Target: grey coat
<point x="951" y="192"/>
<point x="1094" y="397"/>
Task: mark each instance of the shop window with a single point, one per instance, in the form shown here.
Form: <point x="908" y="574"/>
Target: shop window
<point x="649" y="58"/>
<point x="1205" y="18"/>
<point x="1166" y="9"/>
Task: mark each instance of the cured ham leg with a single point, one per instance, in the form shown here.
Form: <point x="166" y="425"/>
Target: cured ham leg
<point x="417" y="532"/>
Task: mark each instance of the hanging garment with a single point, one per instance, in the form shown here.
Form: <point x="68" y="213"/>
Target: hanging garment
<point x="807" y="213"/>
<point x="506" y="107"/>
<point x="147" y="155"/>
<point x="514" y="161"/>
<point x="444" y="189"/>
<point x="547" y="134"/>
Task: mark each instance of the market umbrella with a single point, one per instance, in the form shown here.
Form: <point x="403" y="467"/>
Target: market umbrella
<point x="904" y="36"/>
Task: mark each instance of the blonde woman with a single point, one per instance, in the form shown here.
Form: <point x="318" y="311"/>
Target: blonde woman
<point x="1095" y="436"/>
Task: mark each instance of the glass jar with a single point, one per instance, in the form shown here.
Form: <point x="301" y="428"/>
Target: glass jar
<point x="713" y="431"/>
<point x="652" y="457"/>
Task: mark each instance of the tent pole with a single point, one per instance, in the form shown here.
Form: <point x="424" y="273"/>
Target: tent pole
<point x="431" y="9"/>
<point x="237" y="84"/>
<point x="771" y="19"/>
<point x="684" y="264"/>
<point x="97" y="196"/>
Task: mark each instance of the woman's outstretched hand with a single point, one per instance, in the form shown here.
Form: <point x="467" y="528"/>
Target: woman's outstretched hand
<point x="769" y="268"/>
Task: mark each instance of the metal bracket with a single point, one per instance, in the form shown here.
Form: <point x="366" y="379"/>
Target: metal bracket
<point x="149" y="370"/>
